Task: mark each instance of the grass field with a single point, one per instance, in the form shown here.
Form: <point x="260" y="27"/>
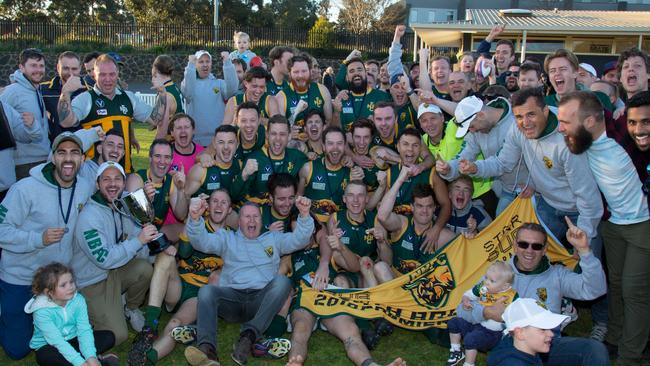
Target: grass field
<point x="324" y="349"/>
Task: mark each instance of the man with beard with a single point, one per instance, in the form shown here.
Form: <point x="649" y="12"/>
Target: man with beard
<point x="410" y="149"/>
<point x="25" y="97"/>
<point x="625" y="233"/>
<point x="360" y="100"/>
<point x="562" y="69"/>
<point x="408" y="232"/>
<point x="437" y="78"/>
<point x="324" y="180"/>
<point x="511" y="78"/>
<point x="178" y="287"/>
<point x="36" y="218"/>
<point x="254" y="91"/>
<point x="274" y="158"/>
<point x="108" y="106"/>
<point x="250" y="289"/>
<point x="384" y="78"/>
<point x="488" y="125"/>
<point x="530" y="75"/>
<point x="165" y="190"/>
<point x="634" y="69"/>
<point x="110" y="148"/>
<point x="302" y="89"/>
<point x="206" y="95"/>
<point x="226" y="172"/>
<point x="638" y="128"/>
<point x="89" y="65"/>
<point x="109" y="259"/>
<point x="279" y="57"/>
<point x="563" y="180"/>
<point x="67" y="66"/>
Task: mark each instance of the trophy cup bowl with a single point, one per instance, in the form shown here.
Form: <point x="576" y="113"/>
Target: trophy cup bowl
<point x="137" y="206"/>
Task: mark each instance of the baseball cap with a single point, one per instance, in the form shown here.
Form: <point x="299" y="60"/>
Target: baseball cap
<point x="609" y="66"/>
<point x="66" y="136"/>
<point x="529" y="312"/>
<point x="107" y="165"/>
<point x="428" y="108"/>
<point x="116" y="56"/>
<point x="588" y="68"/>
<point x="465" y="113"/>
<point x="200" y="53"/>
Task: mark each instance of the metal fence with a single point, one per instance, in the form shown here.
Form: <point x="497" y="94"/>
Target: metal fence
<point x="181" y="37"/>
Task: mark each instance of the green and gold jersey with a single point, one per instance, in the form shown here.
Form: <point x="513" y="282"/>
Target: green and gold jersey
<point x="325" y="188"/>
<point x="312" y="96"/>
<point x="356" y="235"/>
<point x="405" y="193"/>
<point x="270" y="215"/>
<point x="361" y="106"/>
<point x="391" y="141"/>
<point x="449" y="147"/>
<point x="407" y="116"/>
<point x="263" y="104"/>
<point x="304" y="262"/>
<point x="172" y="88"/>
<point x="273" y="88"/>
<point x="226" y="176"/>
<point x="290" y="163"/>
<point x="553" y="100"/>
<point x="195" y="267"/>
<point x="406" y="245"/>
<point x="161" y="198"/>
<point x="111" y="113"/>
<point x="243" y="151"/>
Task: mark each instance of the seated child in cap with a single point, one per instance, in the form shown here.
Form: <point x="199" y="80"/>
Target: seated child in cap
<point x="242" y="42"/>
<point x="484" y="336"/>
<point x="529" y="326"/>
<point x="466" y="217"/>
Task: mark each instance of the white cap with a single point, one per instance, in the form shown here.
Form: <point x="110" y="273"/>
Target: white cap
<point x="465" y="113"/>
<point x="107" y="165"/>
<point x="529" y="312"/>
<point x="588" y="68"/>
<point x="428" y="108"/>
<point x="200" y="53"/>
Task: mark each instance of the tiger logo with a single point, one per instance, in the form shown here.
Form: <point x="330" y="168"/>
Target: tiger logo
<point x="433" y="288"/>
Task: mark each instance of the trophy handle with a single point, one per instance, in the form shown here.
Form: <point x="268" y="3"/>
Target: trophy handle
<point x="119" y="206"/>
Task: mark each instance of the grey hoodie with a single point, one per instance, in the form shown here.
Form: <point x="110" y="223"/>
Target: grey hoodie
<point x="550" y="283"/>
<point x="563" y="179"/>
<point x="96" y="248"/>
<point x="31" y="207"/>
<point x="24" y="97"/>
<point x="206" y="99"/>
<point x="21" y="134"/>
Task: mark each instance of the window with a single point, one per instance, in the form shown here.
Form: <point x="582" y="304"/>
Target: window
<point x="431" y="16"/>
<point x="602" y="46"/>
<point x="413" y="17"/>
<point x="451" y="15"/>
<point x="625" y="43"/>
<point x="543" y="45"/>
<point x="645" y="45"/>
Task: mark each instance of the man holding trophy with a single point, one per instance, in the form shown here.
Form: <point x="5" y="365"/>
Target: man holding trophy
<point x="108" y="255"/>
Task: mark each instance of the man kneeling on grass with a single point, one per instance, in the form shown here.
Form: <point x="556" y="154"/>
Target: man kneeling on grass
<point x="250" y="289"/>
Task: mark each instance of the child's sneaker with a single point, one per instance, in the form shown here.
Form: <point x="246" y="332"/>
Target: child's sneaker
<point x="455" y="358"/>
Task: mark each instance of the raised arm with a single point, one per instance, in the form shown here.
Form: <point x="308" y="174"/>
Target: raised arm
<point x="230" y="77"/>
<point x="391" y="221"/>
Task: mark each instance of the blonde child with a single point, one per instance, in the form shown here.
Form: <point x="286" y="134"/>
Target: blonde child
<point x="62" y="332"/>
<point x="496" y="284"/>
<point x="242" y="43"/>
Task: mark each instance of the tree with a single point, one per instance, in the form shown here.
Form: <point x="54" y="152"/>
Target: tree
<point x="322" y="34"/>
<point x="358" y="15"/>
<point x="69" y="11"/>
<point x="165" y="11"/>
<point x="294" y="13"/>
<point x="23" y="10"/>
<point x="394" y="15"/>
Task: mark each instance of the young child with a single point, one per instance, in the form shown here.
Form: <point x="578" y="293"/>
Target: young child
<point x="529" y="327"/>
<point x="466" y="217"/>
<point x="242" y="52"/>
<point x="484" y="336"/>
<point x="62" y="332"/>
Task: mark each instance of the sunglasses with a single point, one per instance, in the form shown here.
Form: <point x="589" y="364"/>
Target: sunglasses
<point x="489" y="98"/>
<point x="512" y="73"/>
<point x="524" y="245"/>
<point x="460" y="124"/>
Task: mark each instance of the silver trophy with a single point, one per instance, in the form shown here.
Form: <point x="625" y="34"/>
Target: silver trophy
<point x="137" y="206"/>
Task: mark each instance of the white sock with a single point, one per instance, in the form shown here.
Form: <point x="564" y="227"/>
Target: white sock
<point x="468" y="364"/>
<point x="455" y="347"/>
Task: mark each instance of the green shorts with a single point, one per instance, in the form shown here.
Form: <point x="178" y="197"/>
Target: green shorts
<point x="188" y="291"/>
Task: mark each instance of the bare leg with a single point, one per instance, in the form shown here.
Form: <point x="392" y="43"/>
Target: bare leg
<point x="184" y="316"/>
<point x="344" y="328"/>
<point x="454" y="338"/>
<point x="287" y="304"/>
<point x="383" y="273"/>
<point x="172" y="231"/>
<point x="367" y="272"/>
<point x="341" y="281"/>
<point x="302" y="323"/>
<point x="163" y="267"/>
<point x="470" y="356"/>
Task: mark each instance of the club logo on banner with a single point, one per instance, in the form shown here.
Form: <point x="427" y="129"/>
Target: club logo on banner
<point x="427" y="297"/>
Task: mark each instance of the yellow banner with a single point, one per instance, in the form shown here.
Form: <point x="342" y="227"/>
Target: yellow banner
<point x="427" y="297"/>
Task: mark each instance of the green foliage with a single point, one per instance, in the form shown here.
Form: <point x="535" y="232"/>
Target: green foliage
<point x="394" y="14"/>
<point x="322" y="34"/>
<point x="23" y="10"/>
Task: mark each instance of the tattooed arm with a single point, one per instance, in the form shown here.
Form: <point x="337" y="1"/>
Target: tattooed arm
<point x="64" y="108"/>
<point x="159" y="109"/>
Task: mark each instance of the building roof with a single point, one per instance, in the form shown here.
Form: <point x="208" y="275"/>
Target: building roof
<point x="542" y="22"/>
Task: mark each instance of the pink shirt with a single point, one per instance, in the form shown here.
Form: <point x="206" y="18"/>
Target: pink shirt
<point x="186" y="161"/>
